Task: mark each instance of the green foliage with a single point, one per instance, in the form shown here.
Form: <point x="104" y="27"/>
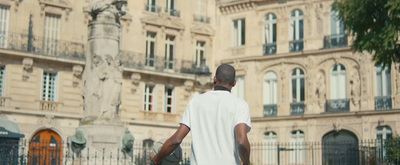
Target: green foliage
<point x="393" y="150"/>
<point x="374" y="25"/>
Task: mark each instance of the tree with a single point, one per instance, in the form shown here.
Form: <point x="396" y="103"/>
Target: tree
<point x="374" y="25"/>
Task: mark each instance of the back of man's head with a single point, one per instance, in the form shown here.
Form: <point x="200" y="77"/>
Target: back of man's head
<point x="226" y="74"/>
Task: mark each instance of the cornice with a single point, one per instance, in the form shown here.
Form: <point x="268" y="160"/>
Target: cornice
<point x="163" y="20"/>
<point x="199" y="28"/>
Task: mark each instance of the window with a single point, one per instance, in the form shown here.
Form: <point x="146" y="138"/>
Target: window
<point x="169" y="100"/>
<point x="270" y="34"/>
<point x="383" y="133"/>
<point x="200" y="53"/>
<point x="51" y="34"/>
<point x="169" y="52"/>
<point x="2" y="80"/>
<point x="49" y="87"/>
<point x="338" y="82"/>
<point x="382" y="81"/>
<point x="337" y="27"/>
<point x="200" y="8"/>
<point x="150" y="49"/>
<point x="149" y="98"/>
<point x="151" y="6"/>
<point x="298" y="146"/>
<point x="239" y="32"/>
<point x="269" y="148"/>
<point x="297" y="86"/>
<point x="238" y="89"/>
<point x="4" y="18"/>
<point x="296" y="31"/>
<point x="270" y="88"/>
<point x="171" y="7"/>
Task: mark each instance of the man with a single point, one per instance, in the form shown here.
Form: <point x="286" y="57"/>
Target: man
<point x="219" y="122"/>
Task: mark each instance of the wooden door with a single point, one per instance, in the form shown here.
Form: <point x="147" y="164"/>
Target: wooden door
<point x="45" y="148"/>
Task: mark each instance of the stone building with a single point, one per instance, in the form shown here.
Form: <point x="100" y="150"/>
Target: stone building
<point x="294" y="66"/>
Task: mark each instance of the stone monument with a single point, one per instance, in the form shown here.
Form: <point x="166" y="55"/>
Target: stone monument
<point x="101" y="127"/>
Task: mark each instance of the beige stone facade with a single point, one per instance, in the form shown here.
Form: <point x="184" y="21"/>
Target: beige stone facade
<point x="192" y="27"/>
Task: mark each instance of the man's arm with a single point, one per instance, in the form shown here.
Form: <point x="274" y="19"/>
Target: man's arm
<point x="243" y="143"/>
<point x="171" y="144"/>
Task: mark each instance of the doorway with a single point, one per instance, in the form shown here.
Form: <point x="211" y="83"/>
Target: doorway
<point x="45" y="148"/>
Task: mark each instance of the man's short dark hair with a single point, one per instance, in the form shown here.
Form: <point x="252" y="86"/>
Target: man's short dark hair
<point x="226" y="74"/>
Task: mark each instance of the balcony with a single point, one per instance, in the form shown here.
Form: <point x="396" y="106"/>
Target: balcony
<point x="159" y="116"/>
<point x="383" y="103"/>
<point x="201" y="19"/>
<point x="337" y="106"/>
<point x="153" y="8"/>
<point x="43" y="46"/>
<point x="51" y="106"/>
<point x="270" y="110"/>
<point x="4" y="101"/>
<point x="297" y="108"/>
<point x="269" y="49"/>
<point x="173" y="12"/>
<point x="335" y="41"/>
<point x="158" y="63"/>
<point x="296" y="45"/>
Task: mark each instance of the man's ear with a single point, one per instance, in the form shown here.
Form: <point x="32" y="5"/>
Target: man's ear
<point x="234" y="83"/>
<point x="215" y="80"/>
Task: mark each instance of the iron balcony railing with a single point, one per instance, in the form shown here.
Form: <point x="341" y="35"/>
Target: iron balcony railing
<point x="296" y="45"/>
<point x="269" y="49"/>
<point x="297" y="108"/>
<point x="335" y="41"/>
<point x="383" y="103"/>
<point x="270" y="110"/>
<point x="158" y="63"/>
<point x="337" y="106"/>
<point x="153" y="8"/>
<point x="201" y="18"/>
<point x="173" y="12"/>
<point x="43" y="46"/>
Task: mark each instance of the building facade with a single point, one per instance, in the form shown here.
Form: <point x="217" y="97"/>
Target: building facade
<point x="294" y="67"/>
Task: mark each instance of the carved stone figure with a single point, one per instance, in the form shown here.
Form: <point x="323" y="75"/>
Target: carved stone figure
<point x="108" y="8"/>
<point x="355" y="89"/>
<point x="78" y="142"/>
<point x="398" y="78"/>
<point x="127" y="143"/>
<point x="321" y="90"/>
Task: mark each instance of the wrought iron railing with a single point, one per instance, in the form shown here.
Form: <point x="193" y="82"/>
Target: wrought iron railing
<point x="173" y="12"/>
<point x="296" y="45"/>
<point x="297" y="108"/>
<point x="43" y="46"/>
<point x="270" y="49"/>
<point x="383" y="103"/>
<point x="337" y="106"/>
<point x="153" y="8"/>
<point x="270" y="110"/>
<point x="201" y="18"/>
<point x="335" y="41"/>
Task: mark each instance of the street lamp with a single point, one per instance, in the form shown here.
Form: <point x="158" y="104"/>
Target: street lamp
<point x="202" y="75"/>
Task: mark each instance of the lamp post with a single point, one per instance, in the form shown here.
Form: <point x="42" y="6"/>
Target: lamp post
<point x="202" y="75"/>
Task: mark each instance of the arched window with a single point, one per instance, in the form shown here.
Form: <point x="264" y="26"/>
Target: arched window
<point x="270" y="92"/>
<point x="296" y="31"/>
<point x="269" y="148"/>
<point x="297" y="86"/>
<point x="270" y="34"/>
<point x="298" y="146"/>
<point x="338" y="82"/>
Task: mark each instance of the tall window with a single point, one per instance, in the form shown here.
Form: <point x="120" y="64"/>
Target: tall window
<point x="270" y="88"/>
<point x="51" y="34"/>
<point x="169" y="52"/>
<point x="169" y="98"/>
<point x="2" y="80"/>
<point x="238" y="89"/>
<point x="382" y="81"/>
<point x="338" y="82"/>
<point x="151" y="5"/>
<point x="4" y="18"/>
<point x="49" y="87"/>
<point x="239" y="32"/>
<point x="200" y="52"/>
<point x="337" y="26"/>
<point x="269" y="148"/>
<point x="297" y="144"/>
<point x="150" y="49"/>
<point x="149" y="98"/>
<point x="171" y="7"/>
<point x="200" y="8"/>
<point x="297" y="86"/>
<point x="296" y="30"/>
<point x="270" y="34"/>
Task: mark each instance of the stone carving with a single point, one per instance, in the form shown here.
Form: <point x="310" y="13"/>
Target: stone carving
<point x="188" y="87"/>
<point x="355" y="89"/>
<point x="397" y="70"/>
<point x="77" y="72"/>
<point x="27" y="64"/>
<point x="336" y="126"/>
<point x="78" y="142"/>
<point x="283" y="82"/>
<point x="127" y="143"/>
<point x="108" y="8"/>
<point x="135" y="77"/>
<point x="321" y="90"/>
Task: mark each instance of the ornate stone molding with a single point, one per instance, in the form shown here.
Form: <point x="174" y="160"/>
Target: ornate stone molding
<point x="163" y="20"/>
<point x="27" y="64"/>
<point x="202" y="29"/>
<point x="238" y="6"/>
<point x="57" y="7"/>
<point x="135" y="77"/>
<point x="77" y="72"/>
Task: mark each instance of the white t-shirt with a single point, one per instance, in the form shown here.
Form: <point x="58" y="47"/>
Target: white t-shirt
<point x="212" y="118"/>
